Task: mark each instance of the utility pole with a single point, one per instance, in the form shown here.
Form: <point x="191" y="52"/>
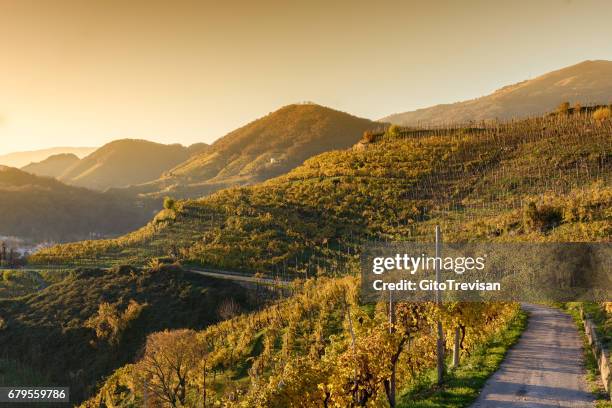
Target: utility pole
<point x="440" y="342"/>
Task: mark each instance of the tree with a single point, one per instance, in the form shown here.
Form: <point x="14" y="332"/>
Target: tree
<point x="169" y="203"/>
<point x="228" y="309"/>
<point x="171" y="361"/>
<point x="110" y="324"/>
<point x="393" y="131"/>
<point x="563" y="108"/>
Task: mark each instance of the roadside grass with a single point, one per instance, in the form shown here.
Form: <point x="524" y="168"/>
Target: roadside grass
<point x="463" y="384"/>
<point x="590" y="363"/>
<point x="14" y="373"/>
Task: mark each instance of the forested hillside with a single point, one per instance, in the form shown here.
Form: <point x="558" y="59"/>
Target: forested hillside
<point x="42" y="208"/>
<point x="265" y="148"/>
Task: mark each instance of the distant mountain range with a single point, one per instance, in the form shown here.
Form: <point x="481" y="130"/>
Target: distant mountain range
<point x="53" y="166"/>
<point x="265" y="148"/>
<point x="43" y="208"/>
<point x="588" y="82"/>
<point x="120" y="163"/>
<point x="20" y="159"/>
<point x="125" y="162"/>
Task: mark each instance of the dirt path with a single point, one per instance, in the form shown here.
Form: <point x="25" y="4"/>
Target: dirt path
<point x="544" y="369"/>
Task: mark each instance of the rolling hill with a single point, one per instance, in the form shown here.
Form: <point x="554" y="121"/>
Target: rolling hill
<point x="20" y="159"/>
<point x="126" y="162"/>
<point x="59" y="317"/>
<point x="53" y="166"/>
<point x="589" y="82"/>
<point x="540" y="180"/>
<point x="42" y="208"/>
<point x="264" y="148"/>
<point x="474" y="181"/>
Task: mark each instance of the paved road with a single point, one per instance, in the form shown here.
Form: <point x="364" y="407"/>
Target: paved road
<point x="543" y="370"/>
<point x="236" y="276"/>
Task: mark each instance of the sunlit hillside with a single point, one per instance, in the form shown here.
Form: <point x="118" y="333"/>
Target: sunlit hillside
<point x="477" y="182"/>
<point x="586" y="83"/>
<point x="265" y="148"/>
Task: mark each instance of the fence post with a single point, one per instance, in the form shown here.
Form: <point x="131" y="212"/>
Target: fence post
<point x="456" y="349"/>
<point x="440" y="342"/>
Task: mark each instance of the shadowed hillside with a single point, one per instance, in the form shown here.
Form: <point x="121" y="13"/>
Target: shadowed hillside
<point x="43" y="208"/>
<point x="20" y="159"/>
<point x="53" y="166"/>
<point x="96" y="320"/>
<point x="265" y="148"/>
<point x="126" y="162"/>
<point x="589" y="82"/>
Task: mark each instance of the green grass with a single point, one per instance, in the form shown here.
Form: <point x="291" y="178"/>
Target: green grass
<point x="14" y="373"/>
<point x="463" y="384"/>
<point x="590" y="363"/>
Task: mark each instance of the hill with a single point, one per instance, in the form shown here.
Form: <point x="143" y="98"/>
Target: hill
<point x="42" y="208"/>
<point x="589" y="82"/>
<point x="125" y="162"/>
<point x="540" y="180"/>
<point x="95" y="320"/>
<point x="476" y="182"/>
<point x="53" y="166"/>
<point x="20" y="159"/>
<point x="262" y="149"/>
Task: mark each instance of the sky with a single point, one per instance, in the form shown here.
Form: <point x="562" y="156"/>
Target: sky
<point x="83" y="73"/>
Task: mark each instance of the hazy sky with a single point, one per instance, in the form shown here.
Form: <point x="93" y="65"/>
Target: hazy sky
<point x="83" y="73"/>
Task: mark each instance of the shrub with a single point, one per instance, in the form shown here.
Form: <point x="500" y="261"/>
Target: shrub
<point x="602" y="113"/>
<point x="393" y="131"/>
<point x="368" y="137"/>
<point x="541" y="219"/>
<point x="563" y="109"/>
<point x="169" y="203"/>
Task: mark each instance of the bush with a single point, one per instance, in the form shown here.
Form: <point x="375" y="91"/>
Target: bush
<point x="541" y="219"/>
<point x="602" y="113"/>
<point x="563" y="109"/>
<point x="169" y="203"/>
<point x="368" y="137"/>
<point x="393" y="131"/>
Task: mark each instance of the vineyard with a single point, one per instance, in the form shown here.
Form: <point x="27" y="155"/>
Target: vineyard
<point x="537" y="180"/>
<point x="318" y="348"/>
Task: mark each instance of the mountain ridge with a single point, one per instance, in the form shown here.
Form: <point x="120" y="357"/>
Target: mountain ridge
<point x="264" y="148"/>
<point x="43" y="208"/>
<point x="125" y="162"/>
<point x="23" y="158"/>
<point x="588" y="82"/>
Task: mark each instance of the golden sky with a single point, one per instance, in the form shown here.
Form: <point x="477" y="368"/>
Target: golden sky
<point x="82" y="73"/>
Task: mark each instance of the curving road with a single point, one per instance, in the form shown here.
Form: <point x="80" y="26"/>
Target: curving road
<point x="544" y="369"/>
